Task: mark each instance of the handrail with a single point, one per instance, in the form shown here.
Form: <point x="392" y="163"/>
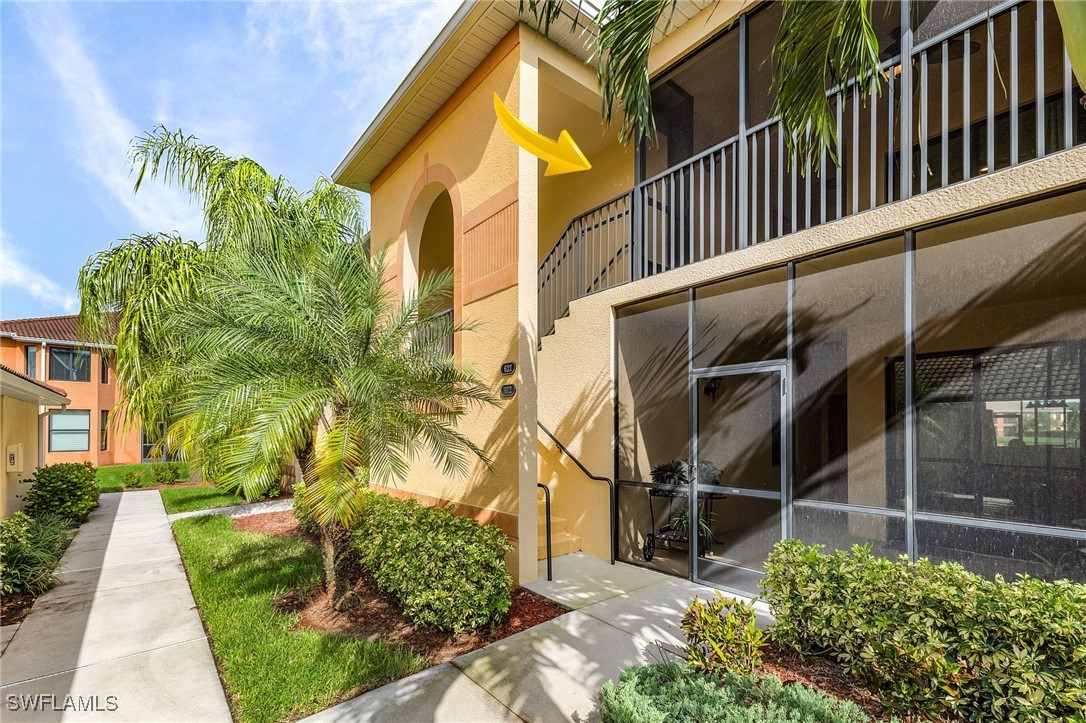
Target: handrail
<point x="610" y="485"/>
<point x="547" y="507"/>
<point x="691" y="160"/>
<point x="592" y="283"/>
<point x="577" y="218"/>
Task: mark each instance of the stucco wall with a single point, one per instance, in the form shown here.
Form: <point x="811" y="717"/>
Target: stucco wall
<point x="464" y="152"/>
<point x="18" y="425"/>
<point x="575" y="363"/>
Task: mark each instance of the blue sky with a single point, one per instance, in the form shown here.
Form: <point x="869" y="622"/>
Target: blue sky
<point x="291" y="85"/>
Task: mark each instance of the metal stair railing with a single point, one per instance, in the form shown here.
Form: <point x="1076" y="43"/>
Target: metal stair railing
<point x="547" y="507"/>
<point x="612" y="500"/>
<point x="591" y="255"/>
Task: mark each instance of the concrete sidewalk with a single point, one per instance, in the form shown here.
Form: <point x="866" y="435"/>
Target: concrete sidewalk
<point x="252" y="508"/>
<point x="122" y="623"/>
<point x="622" y="615"/>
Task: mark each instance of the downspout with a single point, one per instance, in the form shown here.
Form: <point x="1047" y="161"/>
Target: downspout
<point x="43" y="413"/>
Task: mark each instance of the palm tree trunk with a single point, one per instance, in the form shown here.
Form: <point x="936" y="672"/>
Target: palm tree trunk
<point x="335" y="551"/>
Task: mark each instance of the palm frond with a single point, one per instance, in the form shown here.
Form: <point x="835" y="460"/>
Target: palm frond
<point x="626" y="29"/>
<point x="820" y="45"/>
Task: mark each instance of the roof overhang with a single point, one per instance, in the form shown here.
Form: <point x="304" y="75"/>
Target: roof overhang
<point x="29" y="391"/>
<point x="58" y="342"/>
<point x="472" y="33"/>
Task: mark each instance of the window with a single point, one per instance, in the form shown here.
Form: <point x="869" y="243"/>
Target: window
<point x="104" y="356"/>
<point x="69" y="365"/>
<point x="999" y="369"/>
<point x="69" y="431"/>
<point x="32" y="362"/>
<point x="104" y="437"/>
<point x="149" y="439"/>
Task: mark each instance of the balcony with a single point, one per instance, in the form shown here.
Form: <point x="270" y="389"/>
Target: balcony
<point x="986" y="93"/>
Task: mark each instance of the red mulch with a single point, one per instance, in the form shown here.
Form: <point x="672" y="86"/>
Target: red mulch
<point x="821" y="674"/>
<point x="282" y="523"/>
<point x="14" y="607"/>
<point x="372" y="616"/>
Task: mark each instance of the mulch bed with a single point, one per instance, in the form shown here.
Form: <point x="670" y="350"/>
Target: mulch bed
<point x="372" y="616"/>
<point x="821" y="674"/>
<point x="14" y="607"/>
<point x="282" y="523"/>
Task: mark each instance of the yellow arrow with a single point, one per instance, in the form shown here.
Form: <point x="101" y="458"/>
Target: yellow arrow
<point x="562" y="156"/>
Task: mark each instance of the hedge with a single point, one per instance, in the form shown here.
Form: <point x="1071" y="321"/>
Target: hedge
<point x="443" y="569"/>
<point x="935" y="640"/>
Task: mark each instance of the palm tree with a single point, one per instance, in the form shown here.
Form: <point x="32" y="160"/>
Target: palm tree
<point x="277" y="327"/>
<point x="819" y="44"/>
<point x="279" y="344"/>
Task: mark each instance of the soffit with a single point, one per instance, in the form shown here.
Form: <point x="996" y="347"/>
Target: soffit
<point x="466" y="40"/>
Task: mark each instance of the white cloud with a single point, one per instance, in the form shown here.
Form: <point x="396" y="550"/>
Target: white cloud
<point x="104" y="133"/>
<point x="369" y="45"/>
<point x="15" y="274"/>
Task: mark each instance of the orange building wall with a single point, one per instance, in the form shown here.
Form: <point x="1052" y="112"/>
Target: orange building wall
<point x="123" y="446"/>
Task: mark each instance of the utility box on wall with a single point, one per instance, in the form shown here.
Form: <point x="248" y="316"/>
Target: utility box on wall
<point x="14" y="457"/>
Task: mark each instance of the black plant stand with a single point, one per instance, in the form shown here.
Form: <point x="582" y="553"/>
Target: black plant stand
<point x="665" y="533"/>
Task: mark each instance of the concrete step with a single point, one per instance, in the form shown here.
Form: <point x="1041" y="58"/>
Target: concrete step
<point x="561" y="544"/>
<point x="558" y="524"/>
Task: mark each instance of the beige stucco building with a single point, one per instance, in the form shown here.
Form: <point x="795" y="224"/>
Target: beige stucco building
<point x="21" y="430"/>
<point x="879" y="351"/>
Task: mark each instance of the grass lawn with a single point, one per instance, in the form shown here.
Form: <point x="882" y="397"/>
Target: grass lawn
<point x="271" y="670"/>
<point x="111" y="478"/>
<point x="184" y="499"/>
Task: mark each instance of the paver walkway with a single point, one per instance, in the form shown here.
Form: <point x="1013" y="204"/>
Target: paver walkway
<point x="122" y="623"/>
<point x="622" y="615"/>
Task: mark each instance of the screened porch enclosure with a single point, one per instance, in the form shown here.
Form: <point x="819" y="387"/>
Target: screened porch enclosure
<point x="920" y="394"/>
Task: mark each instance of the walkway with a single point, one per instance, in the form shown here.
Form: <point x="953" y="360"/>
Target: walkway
<point x="622" y="615"/>
<point x="251" y="508"/>
<point x="122" y="623"/>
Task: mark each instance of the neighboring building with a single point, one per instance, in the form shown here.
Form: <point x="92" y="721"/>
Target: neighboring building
<point x="21" y="431"/>
<point x="888" y="353"/>
<point x="50" y="349"/>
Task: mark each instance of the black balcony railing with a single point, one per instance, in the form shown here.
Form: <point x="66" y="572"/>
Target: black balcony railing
<point x="987" y="94"/>
<point x="592" y="254"/>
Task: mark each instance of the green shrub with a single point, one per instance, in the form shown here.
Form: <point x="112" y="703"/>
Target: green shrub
<point x="164" y="474"/>
<point x="935" y="639"/>
<point x="445" y="570"/>
<point x="67" y="489"/>
<point x="30" y="548"/>
<point x="133" y="479"/>
<point x="722" y="636"/>
<point x="671" y="691"/>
